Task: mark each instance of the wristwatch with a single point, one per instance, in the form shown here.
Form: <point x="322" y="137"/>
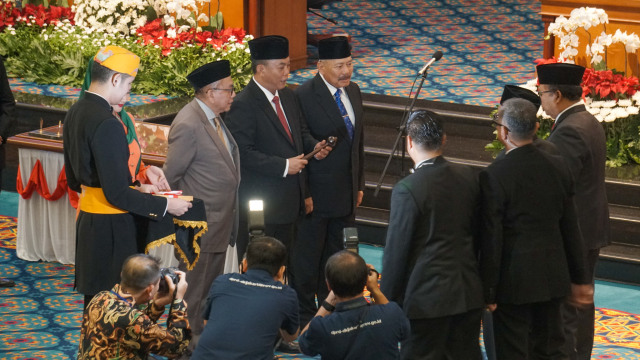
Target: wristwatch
<point x="327" y="306"/>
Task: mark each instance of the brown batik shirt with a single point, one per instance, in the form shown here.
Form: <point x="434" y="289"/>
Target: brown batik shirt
<point x="113" y="329"/>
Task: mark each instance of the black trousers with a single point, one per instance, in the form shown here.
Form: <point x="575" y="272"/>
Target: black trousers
<point x="318" y="239"/>
<point x="454" y="337"/>
<point x="529" y="331"/>
<point x="579" y="323"/>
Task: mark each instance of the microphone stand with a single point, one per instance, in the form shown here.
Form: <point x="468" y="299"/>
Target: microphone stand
<point x="401" y="135"/>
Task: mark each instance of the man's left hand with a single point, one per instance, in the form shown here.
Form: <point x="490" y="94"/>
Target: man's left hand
<point x="161" y="300"/>
<point x="324" y="152"/>
<point x="308" y="205"/>
<point x="157" y="178"/>
<point x="581" y="295"/>
<point x="360" y="196"/>
<point x="147" y="188"/>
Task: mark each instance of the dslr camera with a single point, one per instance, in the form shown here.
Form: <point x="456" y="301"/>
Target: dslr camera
<point x="171" y="273"/>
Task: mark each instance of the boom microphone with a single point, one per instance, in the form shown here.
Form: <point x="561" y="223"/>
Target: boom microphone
<point x="436" y="56"/>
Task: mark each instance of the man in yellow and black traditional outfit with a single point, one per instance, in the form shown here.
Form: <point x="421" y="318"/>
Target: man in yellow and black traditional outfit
<point x="96" y="157"/>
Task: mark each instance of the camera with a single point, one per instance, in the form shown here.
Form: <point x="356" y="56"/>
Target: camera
<point x="171" y="273"/>
<point x="350" y="239"/>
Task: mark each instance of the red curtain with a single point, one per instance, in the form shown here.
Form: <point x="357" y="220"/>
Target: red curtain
<point x="38" y="182"/>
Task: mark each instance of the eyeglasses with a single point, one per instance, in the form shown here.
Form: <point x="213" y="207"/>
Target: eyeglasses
<point x="544" y="92"/>
<point x="496" y="124"/>
<point x="221" y="89"/>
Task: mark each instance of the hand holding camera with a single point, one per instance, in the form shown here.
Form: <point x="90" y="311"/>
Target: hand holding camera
<point x="171" y="279"/>
<point x="372" y="279"/>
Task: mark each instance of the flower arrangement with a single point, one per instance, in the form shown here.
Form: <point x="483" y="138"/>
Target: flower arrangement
<point x="123" y="16"/>
<point x="45" y="45"/>
<point x="565" y="30"/>
<point x="612" y="97"/>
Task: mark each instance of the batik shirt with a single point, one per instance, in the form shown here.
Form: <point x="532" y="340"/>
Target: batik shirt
<point x="113" y="329"/>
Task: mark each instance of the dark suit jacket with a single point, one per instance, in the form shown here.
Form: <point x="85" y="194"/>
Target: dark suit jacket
<point x="334" y="182"/>
<point x="581" y="140"/>
<point x="264" y="147"/>
<point x="531" y="248"/>
<point x="429" y="258"/>
<point x="7" y="106"/>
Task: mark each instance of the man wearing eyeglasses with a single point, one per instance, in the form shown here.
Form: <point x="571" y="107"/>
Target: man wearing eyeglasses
<point x="203" y="161"/>
<point x="581" y="140"/>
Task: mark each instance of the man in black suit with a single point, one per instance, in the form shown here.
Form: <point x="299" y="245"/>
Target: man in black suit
<point x="332" y="106"/>
<point x="268" y="126"/>
<point x="429" y="259"/>
<point x="581" y="140"/>
<point x="7" y="106"/>
<point x="531" y="251"/>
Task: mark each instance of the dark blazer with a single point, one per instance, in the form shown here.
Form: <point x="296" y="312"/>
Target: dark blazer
<point x="264" y="147"/>
<point x="334" y="182"/>
<point x="581" y="140"/>
<point x="531" y="247"/>
<point x="7" y="107"/>
<point x="429" y="258"/>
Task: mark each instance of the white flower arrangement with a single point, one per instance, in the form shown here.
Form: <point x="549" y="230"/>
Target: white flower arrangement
<point x="565" y="30"/>
<point x="99" y="14"/>
<point x="125" y="16"/>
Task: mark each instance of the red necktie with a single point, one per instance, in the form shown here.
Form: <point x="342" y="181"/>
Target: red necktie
<point x="283" y="120"/>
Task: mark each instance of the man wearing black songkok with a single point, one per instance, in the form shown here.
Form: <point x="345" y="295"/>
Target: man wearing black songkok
<point x="332" y="106"/>
<point x="203" y="161"/>
<point x="266" y="122"/>
<point x="581" y="140"/>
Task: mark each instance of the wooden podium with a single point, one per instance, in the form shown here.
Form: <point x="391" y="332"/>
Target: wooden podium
<point x="287" y="18"/>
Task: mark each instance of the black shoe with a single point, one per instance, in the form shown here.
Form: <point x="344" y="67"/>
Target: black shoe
<point x="289" y="348"/>
<point x="7" y="283"/>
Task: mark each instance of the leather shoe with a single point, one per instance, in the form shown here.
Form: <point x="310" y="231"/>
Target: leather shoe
<point x="7" y="283"/>
<point x="289" y="348"/>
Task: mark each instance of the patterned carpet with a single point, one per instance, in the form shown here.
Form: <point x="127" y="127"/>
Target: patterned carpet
<point x="40" y="317"/>
<point x="20" y="85"/>
<point x="486" y="44"/>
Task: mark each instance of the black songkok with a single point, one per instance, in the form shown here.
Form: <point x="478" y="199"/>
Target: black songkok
<point x="560" y="74"/>
<point x="269" y="47"/>
<point x="513" y="91"/>
<point x="209" y="73"/>
<point x="336" y="47"/>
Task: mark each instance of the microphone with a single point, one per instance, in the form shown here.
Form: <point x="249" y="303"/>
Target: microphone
<point x="436" y="56"/>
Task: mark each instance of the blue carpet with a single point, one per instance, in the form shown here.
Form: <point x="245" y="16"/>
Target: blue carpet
<point x="486" y="44"/>
<point x="70" y="92"/>
<point x="9" y="203"/>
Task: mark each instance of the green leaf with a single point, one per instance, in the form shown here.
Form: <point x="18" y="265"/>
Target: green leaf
<point x="602" y="65"/>
<point x="151" y="14"/>
<point x="216" y="21"/>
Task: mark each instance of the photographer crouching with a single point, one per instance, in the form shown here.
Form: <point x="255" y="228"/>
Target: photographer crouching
<point x="346" y="326"/>
<point x="122" y="323"/>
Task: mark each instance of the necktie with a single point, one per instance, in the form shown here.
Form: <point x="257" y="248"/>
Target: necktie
<point x="343" y="112"/>
<point x="283" y="120"/>
<point x="219" y="130"/>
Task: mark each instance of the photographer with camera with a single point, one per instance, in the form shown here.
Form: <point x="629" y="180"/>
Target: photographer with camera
<point x="122" y="323"/>
<point x="346" y="326"/>
<point x="246" y="312"/>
